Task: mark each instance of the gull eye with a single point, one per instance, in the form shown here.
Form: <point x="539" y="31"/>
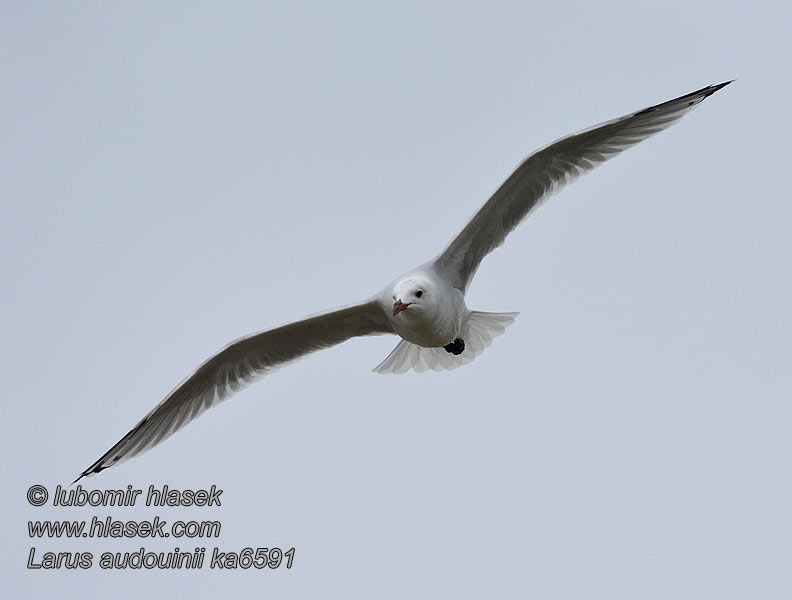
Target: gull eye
<point x="419" y="293"/>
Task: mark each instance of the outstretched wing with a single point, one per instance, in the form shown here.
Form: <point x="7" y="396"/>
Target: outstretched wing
<point x="545" y="172"/>
<point x="236" y="366"/>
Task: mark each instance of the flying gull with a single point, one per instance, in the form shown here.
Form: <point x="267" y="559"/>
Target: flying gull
<point x="424" y="307"/>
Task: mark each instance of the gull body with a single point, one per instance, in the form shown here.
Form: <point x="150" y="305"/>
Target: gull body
<point x="434" y="310"/>
<point x="426" y="306"/>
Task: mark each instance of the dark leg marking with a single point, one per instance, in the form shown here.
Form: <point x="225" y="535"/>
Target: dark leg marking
<point x="456" y="347"/>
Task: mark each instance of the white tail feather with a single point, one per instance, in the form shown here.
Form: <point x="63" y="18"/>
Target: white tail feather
<point x="477" y="332"/>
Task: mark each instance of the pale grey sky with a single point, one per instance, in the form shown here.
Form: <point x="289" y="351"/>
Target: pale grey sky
<point x="176" y="176"/>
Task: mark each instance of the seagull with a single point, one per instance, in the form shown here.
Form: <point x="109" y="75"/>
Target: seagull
<point x="425" y="307"/>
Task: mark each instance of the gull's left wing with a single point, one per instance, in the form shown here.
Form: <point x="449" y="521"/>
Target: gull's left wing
<point x="545" y="171"/>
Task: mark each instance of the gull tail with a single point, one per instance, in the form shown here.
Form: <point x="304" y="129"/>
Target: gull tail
<point x="477" y="333"/>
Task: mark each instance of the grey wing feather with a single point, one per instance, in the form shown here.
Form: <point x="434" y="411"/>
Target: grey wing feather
<point x="545" y="172"/>
<point x="236" y="366"/>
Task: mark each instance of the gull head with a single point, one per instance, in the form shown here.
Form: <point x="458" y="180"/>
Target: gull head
<point x="411" y="295"/>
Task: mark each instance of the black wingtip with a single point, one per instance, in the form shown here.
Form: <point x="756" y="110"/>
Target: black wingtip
<point x="714" y="88"/>
<point x="92" y="470"/>
<point x="692" y="99"/>
<point x="704" y="93"/>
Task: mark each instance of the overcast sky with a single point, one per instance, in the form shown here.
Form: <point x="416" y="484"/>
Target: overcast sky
<point x="175" y="176"/>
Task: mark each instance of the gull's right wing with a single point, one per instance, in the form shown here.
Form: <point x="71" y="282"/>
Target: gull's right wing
<point x="239" y="364"/>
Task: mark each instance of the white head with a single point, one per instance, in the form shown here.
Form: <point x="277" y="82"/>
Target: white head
<point x="413" y="295"/>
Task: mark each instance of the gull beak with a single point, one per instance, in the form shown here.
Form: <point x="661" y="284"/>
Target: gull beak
<point x="399" y="306"/>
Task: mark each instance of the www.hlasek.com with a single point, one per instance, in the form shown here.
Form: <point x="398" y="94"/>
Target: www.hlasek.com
<point x="141" y="558"/>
